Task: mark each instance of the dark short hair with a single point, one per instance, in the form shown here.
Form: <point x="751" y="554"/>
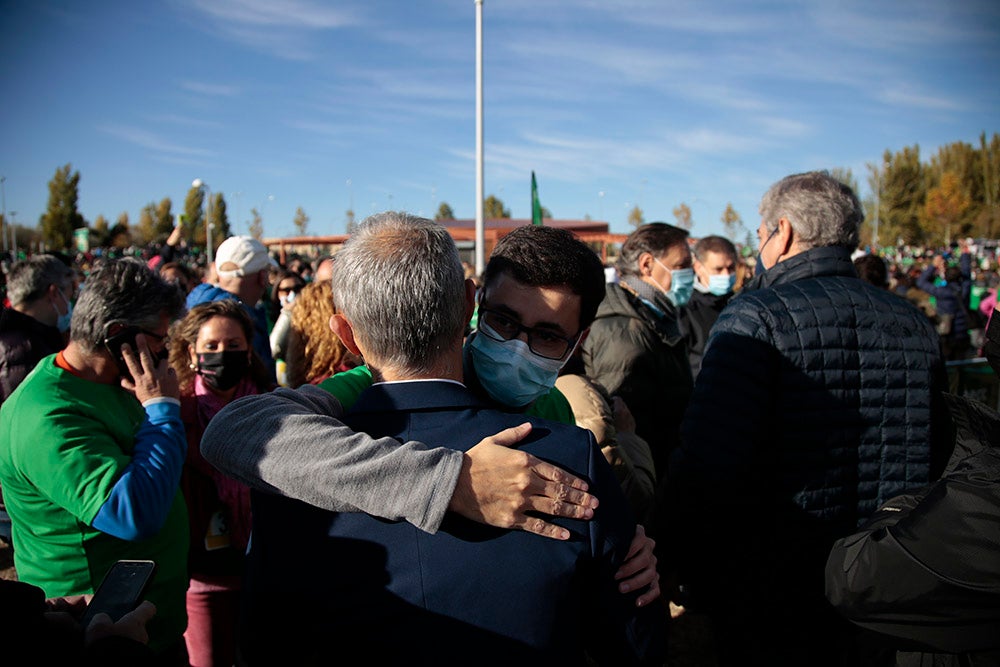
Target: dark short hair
<point x="654" y="238"/>
<point x="718" y="244"/>
<point x="542" y="256"/>
<point x="873" y="270"/>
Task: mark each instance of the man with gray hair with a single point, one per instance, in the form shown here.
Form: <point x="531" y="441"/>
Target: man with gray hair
<point x="813" y="407"/>
<point x="401" y="593"/>
<point x="41" y="291"/>
<point x="636" y="349"/>
<point x="93" y="447"/>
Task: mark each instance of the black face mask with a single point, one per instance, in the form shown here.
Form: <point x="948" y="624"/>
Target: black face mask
<point x="223" y="370"/>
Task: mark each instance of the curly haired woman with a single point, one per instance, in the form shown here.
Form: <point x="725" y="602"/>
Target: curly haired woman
<point x="314" y="351"/>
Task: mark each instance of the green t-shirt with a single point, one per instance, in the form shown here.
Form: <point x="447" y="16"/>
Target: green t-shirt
<point x="347" y="386"/>
<point x="66" y="443"/>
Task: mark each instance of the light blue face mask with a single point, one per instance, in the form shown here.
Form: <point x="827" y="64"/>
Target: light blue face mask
<point x="681" y="284"/>
<point x="63" y="321"/>
<point x="720" y="284"/>
<point x="511" y="373"/>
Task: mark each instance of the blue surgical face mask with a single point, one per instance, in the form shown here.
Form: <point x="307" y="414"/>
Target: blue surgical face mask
<point x="511" y="373"/>
<point x="681" y="284"/>
<point x="63" y="321"/>
<point x="720" y="284"/>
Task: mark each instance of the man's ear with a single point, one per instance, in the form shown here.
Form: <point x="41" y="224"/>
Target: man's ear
<point x="645" y="264"/>
<point x="470" y="299"/>
<point x="785" y="237"/>
<point x="340" y="326"/>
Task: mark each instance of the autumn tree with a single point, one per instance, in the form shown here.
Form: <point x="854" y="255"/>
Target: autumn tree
<point x="100" y="230"/>
<point x="301" y="221"/>
<point x="61" y="216"/>
<point x="493" y="209"/>
<point x="194" y="220"/>
<point x="120" y="236"/>
<point x="155" y="222"/>
<point x="635" y="216"/>
<point x="989" y="155"/>
<point x="218" y="219"/>
<point x="902" y="187"/>
<point x="256" y="224"/>
<point x="945" y="205"/>
<point x="731" y="222"/>
<point x="444" y="212"/>
<point x="683" y="215"/>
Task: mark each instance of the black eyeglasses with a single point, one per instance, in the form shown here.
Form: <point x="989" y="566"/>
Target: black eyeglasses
<point x="150" y="334"/>
<point x="542" y="342"/>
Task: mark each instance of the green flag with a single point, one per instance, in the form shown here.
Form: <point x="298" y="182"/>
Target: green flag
<point x="536" y="206"/>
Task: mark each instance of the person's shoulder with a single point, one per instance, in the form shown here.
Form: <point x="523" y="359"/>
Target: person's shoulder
<point x="205" y="293"/>
<point x="552" y="405"/>
<point x="346" y="386"/>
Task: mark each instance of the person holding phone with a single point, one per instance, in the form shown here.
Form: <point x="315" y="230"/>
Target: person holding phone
<point x="51" y="631"/>
<point x="211" y="352"/>
<point x="93" y="449"/>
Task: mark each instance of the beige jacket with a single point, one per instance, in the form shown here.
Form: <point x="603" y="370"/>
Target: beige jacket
<point x="627" y="453"/>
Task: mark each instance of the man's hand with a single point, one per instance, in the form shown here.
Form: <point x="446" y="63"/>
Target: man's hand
<point x="151" y="380"/>
<point x="132" y="625"/>
<point x="639" y="568"/>
<point x="499" y="485"/>
<point x="624" y="421"/>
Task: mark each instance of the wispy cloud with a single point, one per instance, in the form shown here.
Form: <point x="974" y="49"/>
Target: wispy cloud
<point x="270" y="14"/>
<point x="215" y="89"/>
<point x="153" y="142"/>
<point x="188" y="121"/>
<point x="903" y="96"/>
<point x="283" y="29"/>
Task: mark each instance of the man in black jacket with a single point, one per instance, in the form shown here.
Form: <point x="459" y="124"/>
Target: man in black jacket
<point x="812" y="408"/>
<point x="635" y="349"/>
<point x="715" y="277"/>
<point x="40" y="290"/>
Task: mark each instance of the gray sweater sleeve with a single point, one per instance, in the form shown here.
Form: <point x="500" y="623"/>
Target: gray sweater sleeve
<point x="291" y="442"/>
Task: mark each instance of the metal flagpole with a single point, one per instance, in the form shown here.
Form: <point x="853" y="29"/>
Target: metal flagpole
<point x="480" y="231"/>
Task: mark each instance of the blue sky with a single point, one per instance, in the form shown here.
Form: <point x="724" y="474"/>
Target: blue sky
<point x="371" y="103"/>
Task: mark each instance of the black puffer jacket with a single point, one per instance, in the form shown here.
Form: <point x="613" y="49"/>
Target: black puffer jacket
<point x="812" y="408"/>
<point x="23" y="342"/>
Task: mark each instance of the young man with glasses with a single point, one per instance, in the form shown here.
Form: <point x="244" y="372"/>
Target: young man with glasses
<point x="541" y="290"/>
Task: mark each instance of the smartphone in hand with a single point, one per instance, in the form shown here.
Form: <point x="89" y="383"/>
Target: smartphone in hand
<point x="113" y="344"/>
<point x="121" y="591"/>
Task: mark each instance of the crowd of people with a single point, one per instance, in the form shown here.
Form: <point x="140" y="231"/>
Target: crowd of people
<point x="554" y="462"/>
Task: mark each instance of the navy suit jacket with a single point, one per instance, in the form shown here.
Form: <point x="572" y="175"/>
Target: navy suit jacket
<point x="319" y="582"/>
